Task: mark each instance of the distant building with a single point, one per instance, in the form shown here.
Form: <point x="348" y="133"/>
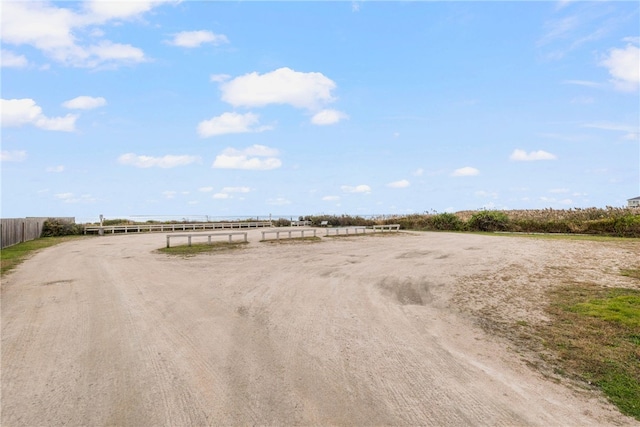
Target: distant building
<point x="634" y="203"/>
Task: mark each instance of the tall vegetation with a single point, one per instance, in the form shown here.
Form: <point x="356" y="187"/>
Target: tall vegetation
<point x="54" y="227"/>
<point x="609" y="221"/>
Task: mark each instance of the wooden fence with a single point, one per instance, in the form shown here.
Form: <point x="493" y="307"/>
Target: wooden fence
<point x="18" y="230"/>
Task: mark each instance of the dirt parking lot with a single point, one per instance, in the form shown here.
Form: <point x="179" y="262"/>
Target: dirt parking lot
<point x="345" y="331"/>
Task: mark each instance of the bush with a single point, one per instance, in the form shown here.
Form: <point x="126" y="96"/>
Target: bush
<point x="116" y="221"/>
<point x="54" y="227"/>
<point x="281" y="222"/>
<point x="447" y="221"/>
<point x="623" y="222"/>
<point x="488" y="221"/>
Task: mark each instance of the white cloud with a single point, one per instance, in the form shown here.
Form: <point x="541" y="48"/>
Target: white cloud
<point x="631" y="132"/>
<point x="169" y="194"/>
<point x="104" y="10"/>
<point x="165" y="162"/>
<point x="219" y="78"/>
<point x="230" y="123"/>
<point x="490" y="194"/>
<point x="362" y="188"/>
<point x="586" y="83"/>
<point x="328" y="117"/>
<point x="13" y="156"/>
<point x="205" y="189"/>
<point x="523" y="156"/>
<point x="331" y="198"/>
<point x="553" y="200"/>
<point x="559" y="190"/>
<point x="109" y="53"/>
<point x="279" y="201"/>
<point x="418" y="172"/>
<point x="68" y="36"/>
<point x="192" y="39"/>
<point x="236" y="189"/>
<point x="282" y="86"/>
<point x="623" y="67"/>
<point x="63" y="196"/>
<point x="256" y="157"/>
<point x="226" y="192"/>
<point x="9" y="59"/>
<point x="582" y="100"/>
<point x="403" y="183"/>
<point x="72" y="198"/>
<point x="84" y="103"/>
<point x="19" y="112"/>
<point x="55" y="169"/>
<point x="260" y="150"/>
<point x="465" y="171"/>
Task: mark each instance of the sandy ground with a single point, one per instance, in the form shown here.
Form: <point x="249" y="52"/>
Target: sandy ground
<point x="350" y="331"/>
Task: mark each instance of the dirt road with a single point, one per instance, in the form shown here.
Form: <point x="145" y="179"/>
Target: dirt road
<point x="357" y="331"/>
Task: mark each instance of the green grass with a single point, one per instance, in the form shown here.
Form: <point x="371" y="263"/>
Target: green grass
<point x="13" y="255"/>
<point x="200" y="248"/>
<point x="624" y="309"/>
<point x="595" y="336"/>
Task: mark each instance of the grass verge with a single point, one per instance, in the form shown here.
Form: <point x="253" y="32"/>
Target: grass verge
<point x="560" y="236"/>
<point x="385" y="234"/>
<point x="593" y="337"/>
<point x="200" y="248"/>
<point x="631" y="272"/>
<point x="309" y="239"/>
<point x="13" y="255"/>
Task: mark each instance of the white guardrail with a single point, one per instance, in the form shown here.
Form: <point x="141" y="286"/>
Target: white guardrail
<point x="338" y="230"/>
<point x="113" y="229"/>
<point x="289" y="232"/>
<point x="388" y="227"/>
<point x="207" y="235"/>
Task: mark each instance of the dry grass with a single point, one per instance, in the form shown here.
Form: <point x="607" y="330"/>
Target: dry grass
<point x="200" y="248"/>
<point x="310" y="239"/>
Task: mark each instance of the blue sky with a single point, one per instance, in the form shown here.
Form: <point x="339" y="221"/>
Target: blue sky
<point x="294" y="108"/>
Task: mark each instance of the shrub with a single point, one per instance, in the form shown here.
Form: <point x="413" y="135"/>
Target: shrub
<point x="488" y="221"/>
<point x="446" y="221"/>
<point x="281" y="222"/>
<point x="116" y="221"/>
<point x="54" y="227"/>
